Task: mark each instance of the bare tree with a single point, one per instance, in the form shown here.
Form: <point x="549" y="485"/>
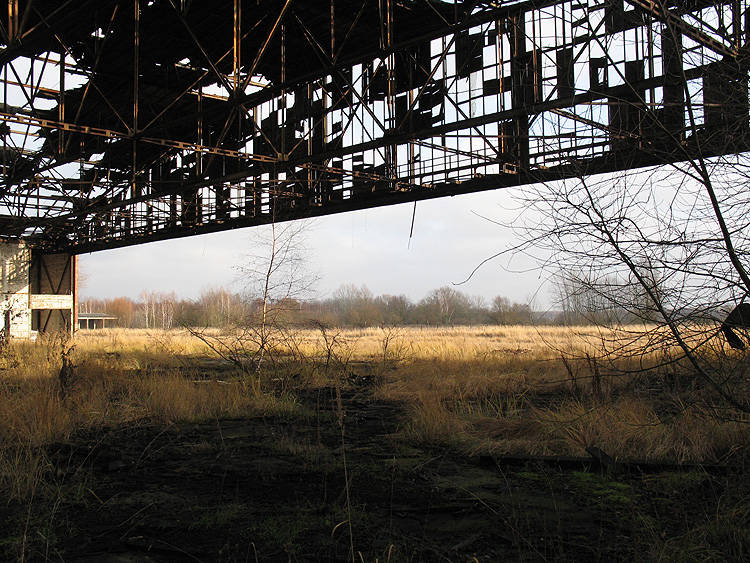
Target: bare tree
<point x="274" y="276"/>
<point x="356" y="306"/>
<point x="668" y="245"/>
<point x="158" y="309"/>
<point x="506" y="312"/>
<point x="219" y="307"/>
<point x="444" y="306"/>
<point x="648" y="246"/>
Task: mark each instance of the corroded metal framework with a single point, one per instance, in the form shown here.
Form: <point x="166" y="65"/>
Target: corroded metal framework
<point x="128" y="121"/>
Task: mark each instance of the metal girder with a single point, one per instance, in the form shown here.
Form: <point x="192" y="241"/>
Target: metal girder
<point x="660" y="11"/>
<point x="263" y="110"/>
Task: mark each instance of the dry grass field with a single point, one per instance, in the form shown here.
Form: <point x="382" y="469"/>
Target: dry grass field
<point x="475" y="417"/>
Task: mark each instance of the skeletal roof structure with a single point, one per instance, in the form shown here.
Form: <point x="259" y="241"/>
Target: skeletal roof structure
<point x="127" y="121"/>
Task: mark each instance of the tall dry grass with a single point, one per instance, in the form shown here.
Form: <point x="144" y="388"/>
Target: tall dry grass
<point x="136" y="384"/>
<point x="430" y="343"/>
<point x="633" y="428"/>
<point x="512" y="389"/>
<point x="517" y="389"/>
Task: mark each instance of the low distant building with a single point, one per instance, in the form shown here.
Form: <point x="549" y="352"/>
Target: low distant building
<point x="93" y="321"/>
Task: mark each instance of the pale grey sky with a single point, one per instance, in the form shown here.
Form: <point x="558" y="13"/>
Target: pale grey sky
<point x="368" y="247"/>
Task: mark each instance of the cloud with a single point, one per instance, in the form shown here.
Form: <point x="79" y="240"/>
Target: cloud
<point x="368" y="247"/>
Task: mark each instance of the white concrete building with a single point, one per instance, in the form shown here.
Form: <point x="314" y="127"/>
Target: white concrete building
<point x="39" y="292"/>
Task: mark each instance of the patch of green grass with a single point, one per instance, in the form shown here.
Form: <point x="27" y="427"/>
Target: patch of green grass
<point x="219" y="516"/>
<point x="530" y="476"/>
<point x="9" y="546"/>
<point x="605" y="491"/>
<point x="281" y="530"/>
<point x="716" y="515"/>
<point x="676" y="482"/>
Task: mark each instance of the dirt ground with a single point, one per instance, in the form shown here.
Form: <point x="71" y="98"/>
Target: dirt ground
<point x="267" y="489"/>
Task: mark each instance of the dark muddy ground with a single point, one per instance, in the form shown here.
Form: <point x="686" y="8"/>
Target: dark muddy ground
<point x="274" y="490"/>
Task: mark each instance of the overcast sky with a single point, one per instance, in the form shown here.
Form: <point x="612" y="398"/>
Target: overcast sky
<point x="368" y="247"/>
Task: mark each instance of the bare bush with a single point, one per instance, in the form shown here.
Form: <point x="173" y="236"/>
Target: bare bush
<point x="274" y="277"/>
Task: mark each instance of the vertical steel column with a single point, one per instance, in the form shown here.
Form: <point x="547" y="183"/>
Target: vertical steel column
<point x="199" y="116"/>
<point x="61" y="105"/>
<point x="391" y="163"/>
<point x="13" y="30"/>
<point x="236" y="44"/>
<point x="5" y="103"/>
<point x="311" y="124"/>
<point x="520" y="87"/>
<point x="224" y="192"/>
<point x="136" y="69"/>
<point x="333" y="30"/>
<point x="274" y="198"/>
<point x="320" y="188"/>
<point x="736" y="24"/>
<point x="282" y="98"/>
<point x="673" y="113"/>
<point x="74" y="292"/>
<point x="136" y="95"/>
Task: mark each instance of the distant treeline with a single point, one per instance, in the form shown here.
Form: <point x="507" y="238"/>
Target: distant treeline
<point x="349" y="306"/>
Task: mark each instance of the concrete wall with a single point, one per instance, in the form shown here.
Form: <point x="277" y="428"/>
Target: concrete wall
<point x="15" y="313"/>
<point x="37" y="292"/>
<point x="52" y="276"/>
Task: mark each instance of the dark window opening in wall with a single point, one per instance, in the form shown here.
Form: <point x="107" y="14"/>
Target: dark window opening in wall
<point x="51" y="274"/>
<point x="36" y="318"/>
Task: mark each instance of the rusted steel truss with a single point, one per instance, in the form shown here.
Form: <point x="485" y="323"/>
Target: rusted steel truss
<point x="127" y="121"/>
